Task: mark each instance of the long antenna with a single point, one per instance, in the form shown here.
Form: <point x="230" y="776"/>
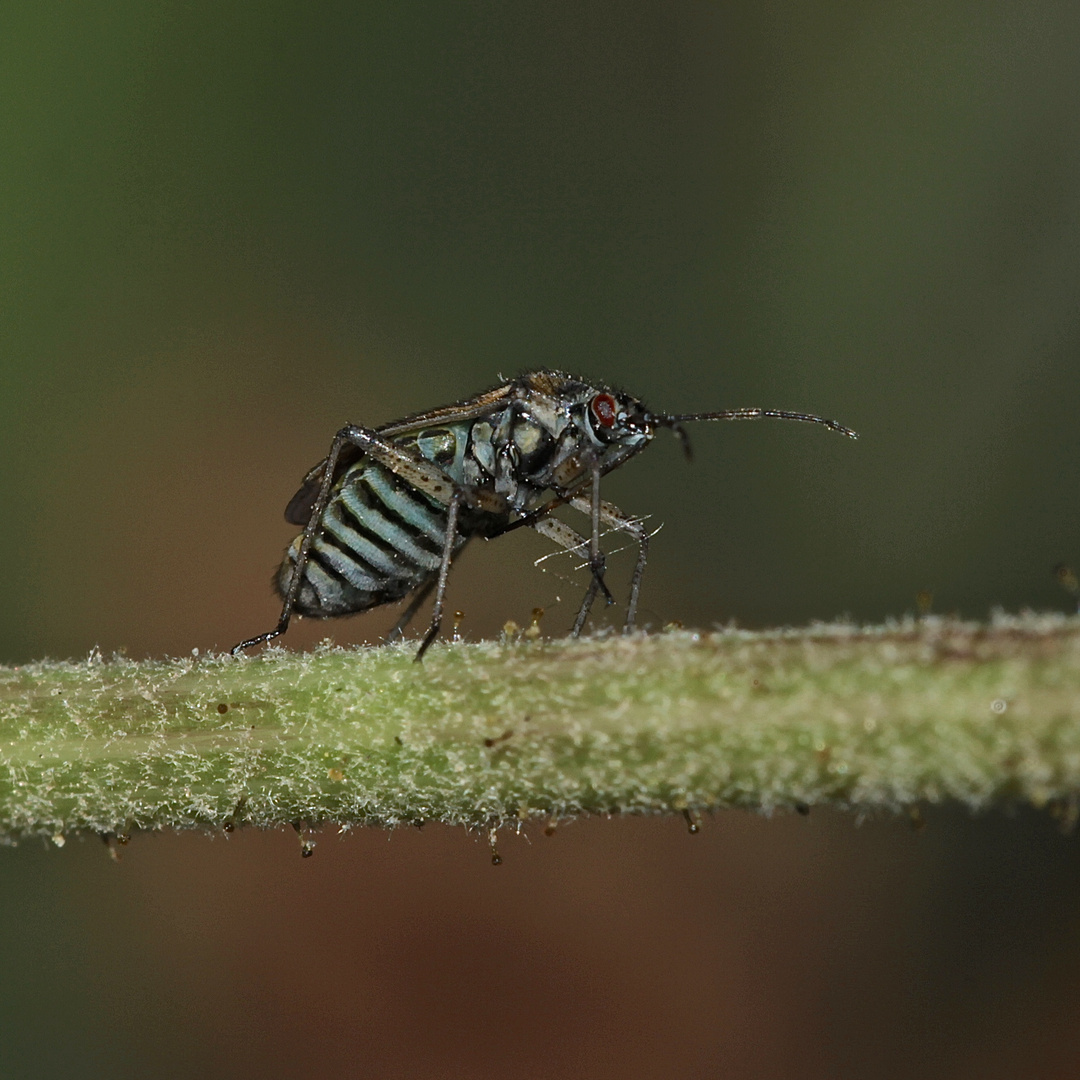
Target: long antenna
<point x="756" y="414"/>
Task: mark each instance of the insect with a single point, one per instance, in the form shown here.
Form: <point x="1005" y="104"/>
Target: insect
<point x="389" y="508"/>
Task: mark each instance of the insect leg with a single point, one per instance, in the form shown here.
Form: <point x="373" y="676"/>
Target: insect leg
<point x="614" y="518"/>
<point x="566" y="537"/>
<point x="597" y="562"/>
<point x="571" y="540"/>
<point x="311" y="529"/>
<point x="421" y="594"/>
<point x="444" y="573"/>
<point x="421" y="474"/>
<point x="532" y="517"/>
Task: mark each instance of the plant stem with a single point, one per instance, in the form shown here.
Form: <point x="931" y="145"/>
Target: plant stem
<point x="494" y="733"/>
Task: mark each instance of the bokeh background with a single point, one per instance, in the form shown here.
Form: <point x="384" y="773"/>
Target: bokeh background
<point x="227" y="228"/>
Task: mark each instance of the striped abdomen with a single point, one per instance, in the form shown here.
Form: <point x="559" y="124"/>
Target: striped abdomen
<point x="380" y="539"/>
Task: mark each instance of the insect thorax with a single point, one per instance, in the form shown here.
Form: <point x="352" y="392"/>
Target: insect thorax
<point x="536" y="442"/>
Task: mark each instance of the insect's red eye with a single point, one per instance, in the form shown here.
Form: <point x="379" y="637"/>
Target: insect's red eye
<point x="604" y="409"/>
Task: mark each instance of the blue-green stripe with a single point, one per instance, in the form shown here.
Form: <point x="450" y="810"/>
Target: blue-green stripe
<point x="380" y="560"/>
<point x="387" y="529"/>
<point x="409" y="507"/>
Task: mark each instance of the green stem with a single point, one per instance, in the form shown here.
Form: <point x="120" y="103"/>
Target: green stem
<point x="490" y="733"/>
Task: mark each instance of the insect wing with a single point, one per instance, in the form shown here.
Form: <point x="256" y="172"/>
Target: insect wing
<point x="298" y="512"/>
<point x="303" y="502"/>
<point x="469" y="409"/>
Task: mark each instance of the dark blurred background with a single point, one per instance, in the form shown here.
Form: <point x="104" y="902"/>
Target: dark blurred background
<point x="228" y="228"/>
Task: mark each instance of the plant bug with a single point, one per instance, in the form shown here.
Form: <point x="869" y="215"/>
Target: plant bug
<point x="389" y="508"/>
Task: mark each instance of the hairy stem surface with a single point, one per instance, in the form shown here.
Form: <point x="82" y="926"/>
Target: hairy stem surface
<point x="490" y="733"/>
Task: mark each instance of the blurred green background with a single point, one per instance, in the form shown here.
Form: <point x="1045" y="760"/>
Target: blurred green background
<point x="226" y="229"/>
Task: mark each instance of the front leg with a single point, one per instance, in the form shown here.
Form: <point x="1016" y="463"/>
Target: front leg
<point x="540" y="520"/>
<point x="570" y="540"/>
<point x="614" y="518"/>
